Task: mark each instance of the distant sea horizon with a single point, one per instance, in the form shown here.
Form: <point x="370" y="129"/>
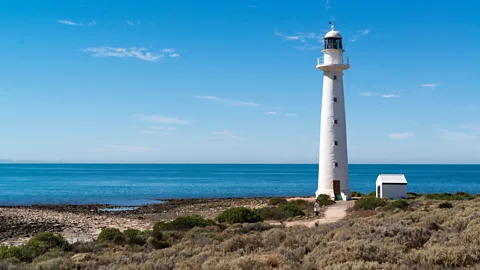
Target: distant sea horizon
<point x="130" y="184"/>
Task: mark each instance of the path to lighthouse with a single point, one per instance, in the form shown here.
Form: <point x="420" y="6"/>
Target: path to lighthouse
<point x="334" y="213"/>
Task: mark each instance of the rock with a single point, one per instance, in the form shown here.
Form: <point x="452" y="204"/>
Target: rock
<point x="79" y="257"/>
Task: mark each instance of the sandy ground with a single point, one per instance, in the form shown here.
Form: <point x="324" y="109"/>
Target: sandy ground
<point x="332" y="214"/>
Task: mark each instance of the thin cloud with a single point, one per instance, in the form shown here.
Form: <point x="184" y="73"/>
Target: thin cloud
<point x="67" y="22"/>
<point x="252" y="6"/>
<point x="228" y="101"/>
<point x="390" y="96"/>
<point x="305" y="39"/>
<point x="401" y="136"/>
<point x="133" y="52"/>
<point x="133" y="23"/>
<point x="173" y="55"/>
<point x="430" y="85"/>
<point x="161" y="128"/>
<point x="227" y="134"/>
<point x="359" y="34"/>
<point x="456" y="136"/>
<point x="291" y="114"/>
<point x="271" y="113"/>
<point x="160" y="119"/>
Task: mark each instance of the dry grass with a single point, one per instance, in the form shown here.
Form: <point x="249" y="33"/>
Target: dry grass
<point x="422" y="237"/>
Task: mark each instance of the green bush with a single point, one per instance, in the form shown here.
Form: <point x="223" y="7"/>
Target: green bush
<point x="38" y="245"/>
<point x="370" y="203"/>
<point x="271" y="213"/>
<point x="356" y="194"/>
<point x="134" y="237"/>
<point x="459" y="196"/>
<point x="292" y="209"/>
<point x="444" y="205"/>
<point x="412" y="195"/>
<point x="399" y="204"/>
<point x="322" y="197"/>
<point x="110" y="234"/>
<point x="326" y="203"/>
<point x="238" y="215"/>
<point x="277" y="201"/>
<point x="156" y="244"/>
<point x="182" y="223"/>
<point x="372" y="194"/>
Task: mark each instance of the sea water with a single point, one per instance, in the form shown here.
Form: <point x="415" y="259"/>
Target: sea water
<point x="137" y="184"/>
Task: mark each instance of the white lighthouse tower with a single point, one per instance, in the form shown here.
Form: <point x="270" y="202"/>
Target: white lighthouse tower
<point x="333" y="158"/>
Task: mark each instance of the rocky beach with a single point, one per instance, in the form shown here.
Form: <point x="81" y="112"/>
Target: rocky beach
<point x="83" y="223"/>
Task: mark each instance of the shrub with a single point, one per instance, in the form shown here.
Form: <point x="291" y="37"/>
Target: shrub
<point x="373" y="194"/>
<point x="412" y="195"/>
<point x="156" y="244"/>
<point x="444" y="205"/>
<point x="134" y="237"/>
<point x="38" y="245"/>
<point x="370" y="203"/>
<point x="238" y="215"/>
<point x="110" y="234"/>
<point x="459" y="196"/>
<point x="399" y="204"/>
<point x="277" y="201"/>
<point x="271" y="213"/>
<point x="325" y="202"/>
<point x="182" y="223"/>
<point x="49" y="240"/>
<point x="322" y="197"/>
<point x="292" y="210"/>
<point x="356" y="194"/>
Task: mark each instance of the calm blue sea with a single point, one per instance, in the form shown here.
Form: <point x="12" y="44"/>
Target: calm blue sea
<point x="135" y="184"/>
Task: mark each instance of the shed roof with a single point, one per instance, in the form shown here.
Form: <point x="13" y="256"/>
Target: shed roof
<point x="391" y="179"/>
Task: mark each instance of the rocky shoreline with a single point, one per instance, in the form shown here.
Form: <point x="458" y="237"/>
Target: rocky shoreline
<point x="83" y="222"/>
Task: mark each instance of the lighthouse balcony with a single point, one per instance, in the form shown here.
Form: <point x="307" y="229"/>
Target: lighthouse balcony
<point x="333" y="64"/>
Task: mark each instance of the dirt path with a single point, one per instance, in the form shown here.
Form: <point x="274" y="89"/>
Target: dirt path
<point x="333" y="214"/>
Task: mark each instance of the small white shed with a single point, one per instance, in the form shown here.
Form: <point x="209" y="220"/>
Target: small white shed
<point x="391" y="186"/>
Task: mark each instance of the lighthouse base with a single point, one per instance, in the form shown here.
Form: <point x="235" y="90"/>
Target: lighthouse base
<point x="343" y="195"/>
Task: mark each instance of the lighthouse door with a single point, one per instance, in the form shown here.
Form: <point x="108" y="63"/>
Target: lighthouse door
<point x="336" y="190"/>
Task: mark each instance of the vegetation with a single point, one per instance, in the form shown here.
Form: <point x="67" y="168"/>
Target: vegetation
<point x="277" y="201"/>
<point x="182" y="223"/>
<point x="459" y="196"/>
<point x="423" y="237"/>
<point x="412" y="195"/>
<point x="356" y="194"/>
<point x="292" y="209"/>
<point x="238" y="215"/>
<point x="399" y="204"/>
<point x="111" y="234"/>
<point x="445" y="205"/>
<point x="38" y="245"/>
<point x="370" y="203"/>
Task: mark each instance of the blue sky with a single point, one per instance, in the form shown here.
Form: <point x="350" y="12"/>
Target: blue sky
<point x="235" y="81"/>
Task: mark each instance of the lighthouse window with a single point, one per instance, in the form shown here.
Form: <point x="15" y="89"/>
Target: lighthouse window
<point x="334" y="99"/>
<point x="333" y="43"/>
<point x="335" y="77"/>
<point x="335" y="121"/>
<point x="336" y="164"/>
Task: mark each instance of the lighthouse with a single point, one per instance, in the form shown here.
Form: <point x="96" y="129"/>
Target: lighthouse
<point x="333" y="158"/>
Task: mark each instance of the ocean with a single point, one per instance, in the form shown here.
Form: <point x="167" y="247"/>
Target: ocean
<point x="136" y="184"/>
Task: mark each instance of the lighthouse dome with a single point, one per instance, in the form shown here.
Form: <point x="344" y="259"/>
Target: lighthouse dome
<point x="333" y="34"/>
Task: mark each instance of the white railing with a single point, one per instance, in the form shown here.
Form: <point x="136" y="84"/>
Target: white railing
<point x="344" y="61"/>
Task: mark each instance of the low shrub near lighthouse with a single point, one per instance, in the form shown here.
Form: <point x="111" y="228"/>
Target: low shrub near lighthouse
<point x="238" y="215"/>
